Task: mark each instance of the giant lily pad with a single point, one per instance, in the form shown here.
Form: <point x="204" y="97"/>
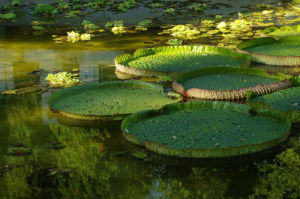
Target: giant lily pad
<point x="286" y="102"/>
<point x="205" y="129"/>
<point x="171" y="60"/>
<point x="109" y="100"/>
<point x="225" y="83"/>
<point x="282" y="52"/>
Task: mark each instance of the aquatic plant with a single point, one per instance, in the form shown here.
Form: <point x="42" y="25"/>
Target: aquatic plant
<point x="9" y="92"/>
<point x="8" y="16"/>
<point x="198" y="7"/>
<point x="89" y="26"/>
<point x="44" y="9"/>
<point x="85" y="37"/>
<point x="283" y="31"/>
<point x="16" y="2"/>
<point x="184" y="32"/>
<point x="143" y="25"/>
<point x="282" y="52"/>
<point x="171" y="60"/>
<point x="170" y="11"/>
<point x="118" y="30"/>
<point x="285" y="102"/>
<point x="174" y="42"/>
<point x="126" y="5"/>
<point x="116" y="23"/>
<point x="191" y="129"/>
<point x="280" y="177"/>
<point x="19" y="151"/>
<point x="62" y="79"/>
<point x="73" y="36"/>
<point x="109" y="100"/>
<point x="225" y="83"/>
<point x="156" y="5"/>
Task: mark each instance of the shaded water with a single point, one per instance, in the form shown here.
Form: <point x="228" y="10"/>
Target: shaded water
<point x="96" y="162"/>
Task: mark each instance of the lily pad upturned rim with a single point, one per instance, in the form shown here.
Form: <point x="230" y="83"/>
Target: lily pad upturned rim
<point x="207" y="152"/>
<point x="269" y="59"/>
<point x="78" y="89"/>
<point x="236" y="94"/>
<point x="120" y="61"/>
<point x="292" y="115"/>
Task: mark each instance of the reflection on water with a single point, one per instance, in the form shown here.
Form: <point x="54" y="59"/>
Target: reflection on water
<point x="90" y="165"/>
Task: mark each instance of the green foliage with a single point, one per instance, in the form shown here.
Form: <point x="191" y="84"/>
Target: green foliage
<point x="143" y="25"/>
<point x="117" y="23"/>
<point x="89" y="25"/>
<point x="198" y="7"/>
<point x="140" y="155"/>
<point x="174" y="42"/>
<point x="19" y="151"/>
<point x="108" y="100"/>
<point x="251" y="94"/>
<point x="192" y="130"/>
<point x="95" y="4"/>
<point x="295" y="81"/>
<point x="8" y="16"/>
<point x="16" y="2"/>
<point x="44" y="9"/>
<point x="170" y="11"/>
<point x="62" y="79"/>
<point x="184" y="32"/>
<point x="126" y="5"/>
<point x="280" y="178"/>
<point x="156" y="5"/>
<point x="283" y="31"/>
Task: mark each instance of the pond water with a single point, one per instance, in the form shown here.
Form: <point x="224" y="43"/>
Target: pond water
<point x="72" y="159"/>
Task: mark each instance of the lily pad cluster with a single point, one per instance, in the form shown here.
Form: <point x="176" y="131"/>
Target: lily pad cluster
<point x="224" y="83"/>
<point x="171" y="60"/>
<point x="62" y="79"/>
<point x="205" y="129"/>
<point x="109" y="100"/>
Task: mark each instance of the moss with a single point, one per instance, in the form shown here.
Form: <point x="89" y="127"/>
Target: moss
<point x="192" y="130"/>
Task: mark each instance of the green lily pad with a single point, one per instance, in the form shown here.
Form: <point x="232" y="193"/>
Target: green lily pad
<point x="282" y="52"/>
<point x="205" y="129"/>
<point x="225" y="83"/>
<point x="171" y="60"/>
<point x="286" y="102"/>
<point x="109" y="100"/>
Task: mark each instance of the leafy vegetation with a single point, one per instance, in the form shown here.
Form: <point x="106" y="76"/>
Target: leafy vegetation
<point x="44" y="9"/>
<point x="62" y="79"/>
<point x="280" y="178"/>
<point x="8" y="16"/>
